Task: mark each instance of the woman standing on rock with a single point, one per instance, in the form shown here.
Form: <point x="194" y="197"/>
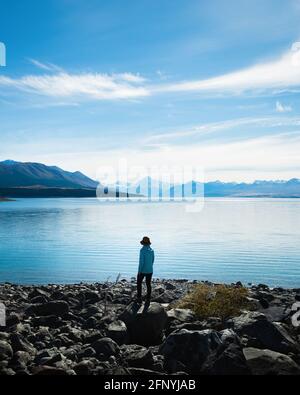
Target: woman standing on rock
<point x="145" y="269"/>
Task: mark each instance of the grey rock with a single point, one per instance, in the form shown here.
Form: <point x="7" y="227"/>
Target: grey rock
<point x="267" y="362"/>
<point x="270" y="335"/>
<point x="58" y="308"/>
<point x="49" y="371"/>
<point x="117" y="331"/>
<point x="182" y="315"/>
<point x="145" y="323"/>
<point x="106" y="347"/>
<point x="192" y="348"/>
<point x="228" y="362"/>
<point x="138" y="357"/>
<point x="12" y="319"/>
<point x="19" y="343"/>
<point x="6" y="351"/>
<point x="84" y="368"/>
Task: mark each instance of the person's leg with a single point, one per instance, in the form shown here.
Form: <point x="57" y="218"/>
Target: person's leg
<point x="140" y="278"/>
<point x="149" y="288"/>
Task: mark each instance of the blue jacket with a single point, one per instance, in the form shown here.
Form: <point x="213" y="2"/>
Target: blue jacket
<point x="146" y="260"/>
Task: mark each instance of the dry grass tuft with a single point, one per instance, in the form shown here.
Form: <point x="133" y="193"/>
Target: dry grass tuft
<point x="220" y="301"/>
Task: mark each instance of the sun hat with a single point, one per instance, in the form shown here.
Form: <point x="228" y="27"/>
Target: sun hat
<point x="146" y="241"/>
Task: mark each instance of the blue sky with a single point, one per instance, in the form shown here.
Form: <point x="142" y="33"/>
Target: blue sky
<point x="208" y="83"/>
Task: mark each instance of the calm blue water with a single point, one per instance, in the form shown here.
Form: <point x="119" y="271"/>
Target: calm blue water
<point x="73" y="240"/>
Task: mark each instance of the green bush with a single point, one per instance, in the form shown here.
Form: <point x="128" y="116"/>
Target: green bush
<point x="220" y="301"/>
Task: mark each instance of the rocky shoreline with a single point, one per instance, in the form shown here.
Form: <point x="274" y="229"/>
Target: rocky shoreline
<point x="98" y="329"/>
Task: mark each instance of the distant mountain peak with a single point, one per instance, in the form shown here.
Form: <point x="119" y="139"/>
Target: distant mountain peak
<point x="9" y="162"/>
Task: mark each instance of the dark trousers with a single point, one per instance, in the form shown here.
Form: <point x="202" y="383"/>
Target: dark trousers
<point x="140" y="279"/>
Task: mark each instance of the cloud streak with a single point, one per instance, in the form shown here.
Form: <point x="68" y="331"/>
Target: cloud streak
<point x="262" y="123"/>
<point x="86" y="85"/>
<point x="282" y="73"/>
<point x="273" y="77"/>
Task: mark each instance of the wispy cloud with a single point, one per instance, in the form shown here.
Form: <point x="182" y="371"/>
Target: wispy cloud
<point x="45" y="66"/>
<point x="85" y="85"/>
<point x="279" y="75"/>
<point x="215" y="127"/>
<point x="281" y="108"/>
<point x="282" y="73"/>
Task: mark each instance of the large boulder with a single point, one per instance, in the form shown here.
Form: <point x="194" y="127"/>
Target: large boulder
<point x="267" y="362"/>
<point x="192" y="348"/>
<point x="58" y="308"/>
<point x="145" y="324"/>
<point x="269" y="335"/>
<point x="228" y="362"/>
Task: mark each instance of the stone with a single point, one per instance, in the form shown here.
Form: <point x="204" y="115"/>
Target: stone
<point x="145" y="324"/>
<point x="89" y="297"/>
<point x="138" y="357"/>
<point x="275" y="313"/>
<point x="106" y="346"/>
<point x="264" y="303"/>
<point x="20" y="343"/>
<point x="6" y="351"/>
<point x="51" y="321"/>
<point x="144" y="372"/>
<point x="230" y="362"/>
<point x="49" y="371"/>
<point x="295" y="319"/>
<point x="270" y="335"/>
<point x="12" y="319"/>
<point x="267" y="362"/>
<point x="117" y="331"/>
<point x="21" y="358"/>
<point x="182" y="315"/>
<point x="169" y="286"/>
<point x="166" y="297"/>
<point x="37" y="292"/>
<point x="87" y="352"/>
<point x="192" y="348"/>
<point x="228" y="336"/>
<point x="39" y="300"/>
<point x="58" y="308"/>
<point x="84" y="368"/>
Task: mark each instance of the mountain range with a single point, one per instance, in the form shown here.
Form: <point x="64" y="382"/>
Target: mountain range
<point x="154" y="188"/>
<point x="38" y="180"/>
<point x="36" y="175"/>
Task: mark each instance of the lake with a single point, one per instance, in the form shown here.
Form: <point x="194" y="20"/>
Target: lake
<point x="72" y="240"/>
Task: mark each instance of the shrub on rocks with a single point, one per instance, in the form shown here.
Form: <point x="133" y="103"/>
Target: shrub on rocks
<point x="215" y="300"/>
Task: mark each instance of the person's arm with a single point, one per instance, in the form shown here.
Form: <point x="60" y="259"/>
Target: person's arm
<point x="141" y="262"/>
<point x="153" y="257"/>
